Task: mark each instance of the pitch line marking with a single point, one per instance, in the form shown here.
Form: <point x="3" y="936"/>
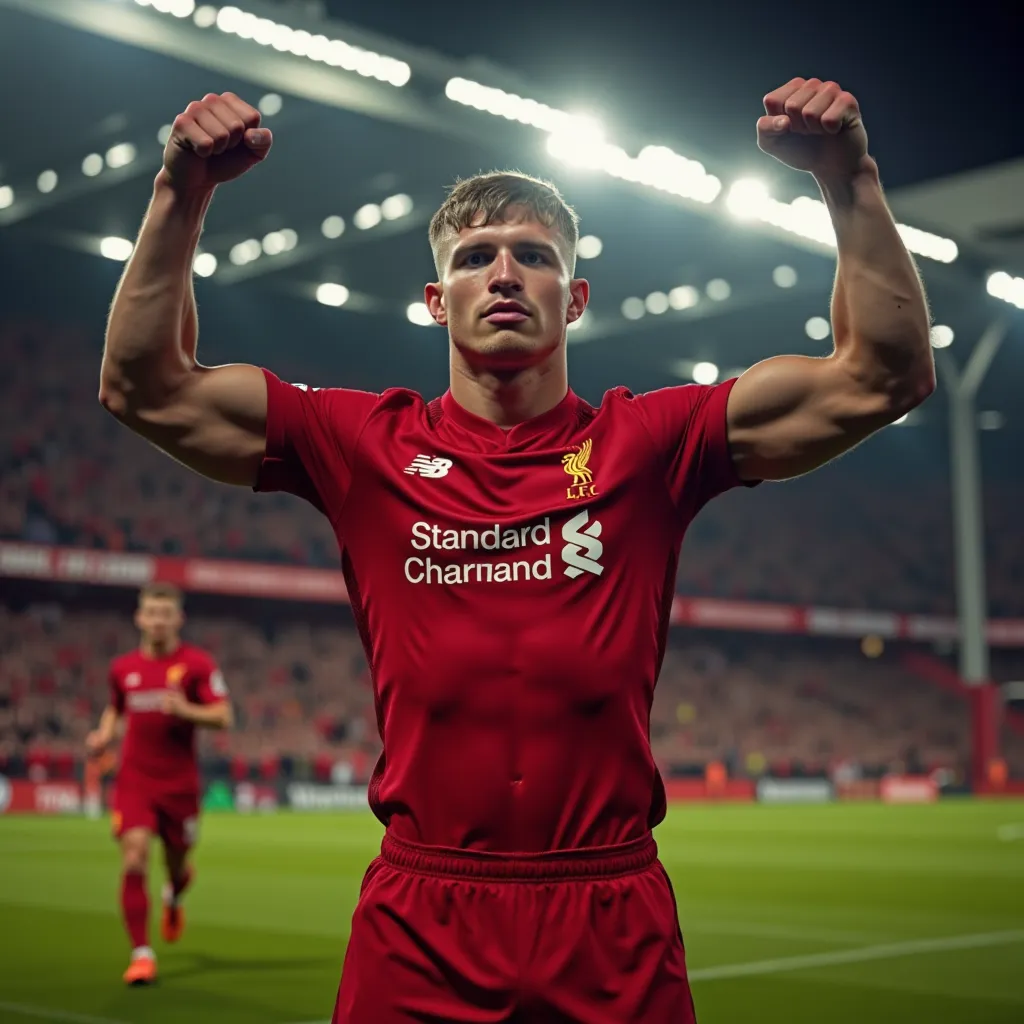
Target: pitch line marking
<point x="888" y="951"/>
<point x="59" y="1015"/>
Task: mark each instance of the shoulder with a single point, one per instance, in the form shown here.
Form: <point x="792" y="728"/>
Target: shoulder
<point x="197" y="658"/>
<point x="123" y="663"/>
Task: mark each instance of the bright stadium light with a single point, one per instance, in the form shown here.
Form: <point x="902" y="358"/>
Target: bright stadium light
<point x="718" y="289"/>
<point x="6" y="196"/>
<point x="92" y="165"/>
<point x="368" y="216"/>
<point x="115" y="248"/>
<point x="817" y="328"/>
<point x="245" y="252"/>
<point x="273" y="243"/>
<point x="684" y="296"/>
<point x="633" y="308"/>
<point x="705" y="373"/>
<point x="579" y="325"/>
<point x="205" y="264"/>
<point x="47" y="181"/>
<point x="784" y="276"/>
<point x="589" y="247"/>
<point x="270" y="104"/>
<point x="333" y="227"/>
<point x="941" y="336"/>
<point x="746" y="197"/>
<point x="290" y="238"/>
<point x="164" y="134"/>
<point x="205" y="16"/>
<point x="991" y="420"/>
<point x="396" y="207"/>
<point x="656" y="303"/>
<point x="121" y="155"/>
<point x="417" y="313"/>
<point x="1001" y="285"/>
<point x="332" y="294"/>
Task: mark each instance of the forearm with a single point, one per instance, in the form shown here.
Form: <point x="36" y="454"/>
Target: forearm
<point x="211" y="716"/>
<point x="879" y="311"/>
<point x="108" y="723"/>
<point x="148" y="347"/>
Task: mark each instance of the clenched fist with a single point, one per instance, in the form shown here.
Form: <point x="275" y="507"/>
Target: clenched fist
<point x="814" y="126"/>
<point x="213" y="140"/>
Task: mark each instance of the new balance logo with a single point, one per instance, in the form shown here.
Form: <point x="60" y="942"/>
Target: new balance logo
<point x="582" y="548"/>
<point x="424" y="465"/>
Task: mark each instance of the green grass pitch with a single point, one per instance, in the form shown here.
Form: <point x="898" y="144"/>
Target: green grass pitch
<point x="804" y="915"/>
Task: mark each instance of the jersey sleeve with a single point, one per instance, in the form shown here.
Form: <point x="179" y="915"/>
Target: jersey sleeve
<point x="209" y="683"/>
<point x="116" y="690"/>
<point x="688" y="426"/>
<point x="312" y="435"/>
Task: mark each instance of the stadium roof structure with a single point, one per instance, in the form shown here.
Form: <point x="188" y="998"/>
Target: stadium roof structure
<point x="688" y="266"/>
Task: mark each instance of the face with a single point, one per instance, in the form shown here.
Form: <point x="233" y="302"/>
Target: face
<point x="159" y="620"/>
<point x="506" y="295"/>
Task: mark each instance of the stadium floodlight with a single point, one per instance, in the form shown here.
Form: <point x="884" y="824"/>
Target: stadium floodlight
<point x="418" y="313"/>
<point x="817" y="328"/>
<point x="273" y="243"/>
<point x="290" y="238"/>
<point x="266" y="32"/>
<point x="397" y="206"/>
<point x="705" y="373"/>
<point x="205" y="264"/>
<point x="784" y="276"/>
<point x="1001" y="285"/>
<point x="332" y="294"/>
<point x="47" y="181"/>
<point x="746" y="197"/>
<point x="718" y="289"/>
<point x="580" y="324"/>
<point x="633" y="308"/>
<point x="6" y="196"/>
<point x="991" y="420"/>
<point x="368" y="216"/>
<point x="656" y="303"/>
<point x="683" y="296"/>
<point x="589" y="247"/>
<point x="92" y="165"/>
<point x="333" y="227"/>
<point x="164" y="134"/>
<point x="121" y="155"/>
<point x="245" y="252"/>
<point x="115" y="248"/>
<point x="941" y="336"/>
<point x="205" y="16"/>
<point x="270" y="104"/>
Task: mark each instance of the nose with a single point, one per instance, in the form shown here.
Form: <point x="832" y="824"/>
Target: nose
<point x="505" y="276"/>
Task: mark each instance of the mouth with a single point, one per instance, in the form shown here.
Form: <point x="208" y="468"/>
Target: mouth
<point x="507" y="312"/>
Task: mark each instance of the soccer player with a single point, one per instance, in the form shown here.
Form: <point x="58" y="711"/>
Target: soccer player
<point x="163" y="690"/>
<point x="510" y="551"/>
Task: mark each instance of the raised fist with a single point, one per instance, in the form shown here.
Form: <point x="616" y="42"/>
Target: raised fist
<point x="814" y="126"/>
<point x="213" y="140"/>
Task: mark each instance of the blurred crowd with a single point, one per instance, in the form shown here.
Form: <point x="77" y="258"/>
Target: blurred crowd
<point x="304" y="703"/>
<point x="69" y="474"/>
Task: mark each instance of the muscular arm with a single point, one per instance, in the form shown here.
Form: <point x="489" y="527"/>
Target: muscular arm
<point x="212" y="419"/>
<point x="212" y="716"/>
<point x="790" y="414"/>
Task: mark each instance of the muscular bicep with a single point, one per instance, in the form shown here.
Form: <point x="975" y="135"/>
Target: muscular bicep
<point x="789" y="415"/>
<point x="214" y="422"/>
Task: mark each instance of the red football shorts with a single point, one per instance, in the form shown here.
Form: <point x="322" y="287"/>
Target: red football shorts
<point x="443" y="936"/>
<point x="172" y="816"/>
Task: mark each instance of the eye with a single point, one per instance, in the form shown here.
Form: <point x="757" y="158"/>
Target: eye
<point x="533" y="257"/>
<point x="475" y="259"/>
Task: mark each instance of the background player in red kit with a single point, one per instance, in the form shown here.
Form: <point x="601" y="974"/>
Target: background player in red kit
<point x="510" y="552"/>
<point x="163" y="690"/>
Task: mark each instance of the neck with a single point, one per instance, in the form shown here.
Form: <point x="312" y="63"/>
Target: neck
<point x="508" y="397"/>
<point x="152" y="649"/>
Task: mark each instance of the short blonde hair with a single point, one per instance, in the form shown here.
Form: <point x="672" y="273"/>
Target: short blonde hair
<point x="489" y="196"/>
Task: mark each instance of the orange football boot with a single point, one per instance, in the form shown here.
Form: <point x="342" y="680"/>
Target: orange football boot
<point x="172" y="924"/>
<point x="141" y="971"/>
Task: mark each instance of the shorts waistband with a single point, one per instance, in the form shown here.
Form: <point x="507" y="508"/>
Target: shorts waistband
<point x="555" y="866"/>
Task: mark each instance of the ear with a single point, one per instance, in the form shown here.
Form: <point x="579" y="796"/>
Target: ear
<point x="579" y="296"/>
<point x="433" y="296"/>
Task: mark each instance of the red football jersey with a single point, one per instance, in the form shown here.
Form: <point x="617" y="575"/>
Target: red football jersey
<point x="160" y="748"/>
<point x="512" y="589"/>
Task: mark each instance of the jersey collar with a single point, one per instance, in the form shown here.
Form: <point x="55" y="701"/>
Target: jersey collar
<point x="563" y="414"/>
